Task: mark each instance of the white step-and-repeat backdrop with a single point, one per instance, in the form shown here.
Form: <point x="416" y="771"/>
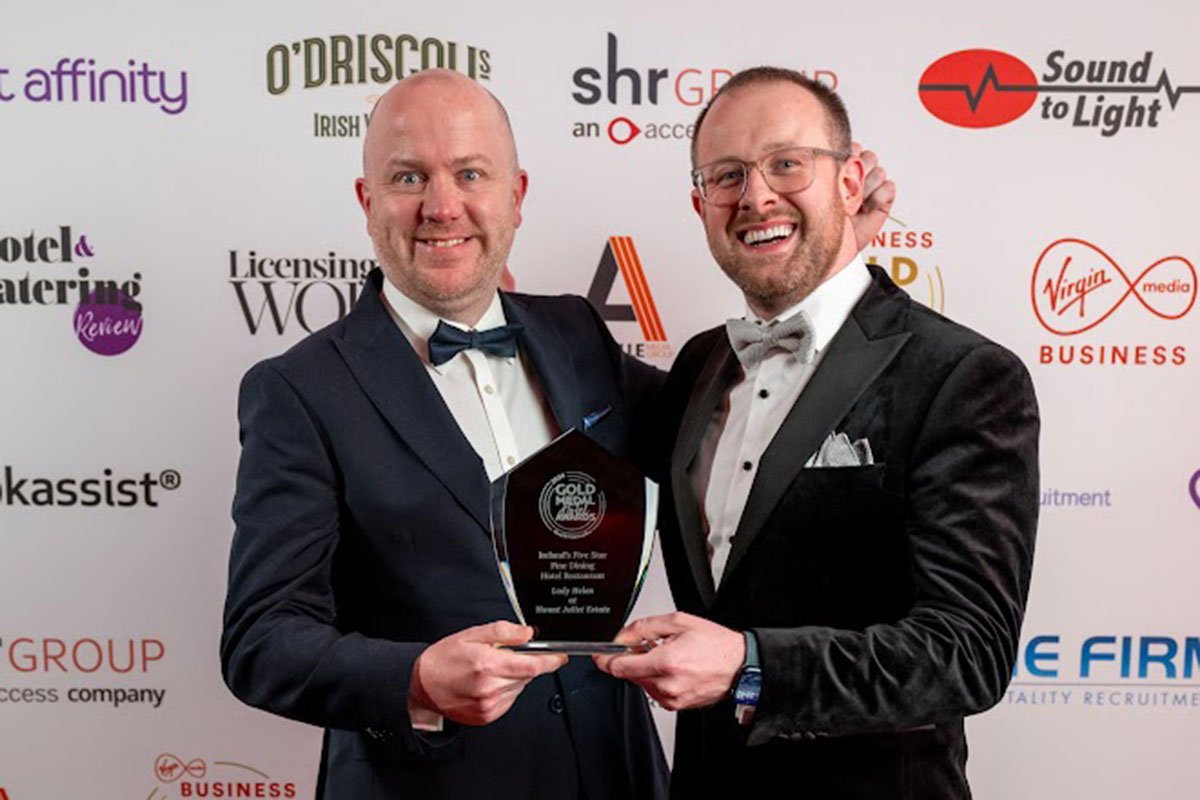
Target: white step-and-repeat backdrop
<point x="176" y="203"/>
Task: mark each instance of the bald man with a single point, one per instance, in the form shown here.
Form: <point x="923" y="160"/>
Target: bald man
<point x="363" y="590"/>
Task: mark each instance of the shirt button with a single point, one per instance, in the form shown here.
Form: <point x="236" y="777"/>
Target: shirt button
<point x="488" y="388"/>
<point x="511" y="460"/>
<point x="763" y="393"/>
<point x="556" y="704"/>
<point x="746" y="465"/>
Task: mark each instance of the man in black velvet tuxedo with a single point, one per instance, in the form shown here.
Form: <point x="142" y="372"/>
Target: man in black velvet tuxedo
<point x="851" y="486"/>
<point x="363" y="592"/>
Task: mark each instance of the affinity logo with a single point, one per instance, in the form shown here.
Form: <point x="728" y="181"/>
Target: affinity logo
<point x="194" y="777"/>
<point x="621" y="255"/>
<point x="986" y="88"/>
<point x="82" y="80"/>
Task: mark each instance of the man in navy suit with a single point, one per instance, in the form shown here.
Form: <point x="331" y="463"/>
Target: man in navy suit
<point x="850" y="490"/>
<point x="363" y="591"/>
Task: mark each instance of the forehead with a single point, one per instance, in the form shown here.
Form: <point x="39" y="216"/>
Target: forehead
<point x="756" y="119"/>
<point x="438" y="124"/>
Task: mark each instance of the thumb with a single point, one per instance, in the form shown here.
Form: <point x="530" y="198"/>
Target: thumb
<point x="503" y="632"/>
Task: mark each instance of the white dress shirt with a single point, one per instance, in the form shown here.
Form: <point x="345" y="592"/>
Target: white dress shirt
<point x="495" y="401"/>
<point x="743" y="425"/>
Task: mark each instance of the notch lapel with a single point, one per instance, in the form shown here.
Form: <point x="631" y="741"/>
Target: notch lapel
<point x="852" y="363"/>
<point x="720" y="370"/>
<point x="395" y="380"/>
<point x="551" y="361"/>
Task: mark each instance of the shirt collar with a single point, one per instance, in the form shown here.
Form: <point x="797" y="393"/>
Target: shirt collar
<point x="418" y="323"/>
<point x="829" y="305"/>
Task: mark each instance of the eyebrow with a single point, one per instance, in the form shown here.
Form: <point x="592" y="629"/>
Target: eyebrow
<point x="461" y="161"/>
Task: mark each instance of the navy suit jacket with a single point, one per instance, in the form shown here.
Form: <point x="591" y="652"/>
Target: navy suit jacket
<point x="887" y="598"/>
<point x="362" y="535"/>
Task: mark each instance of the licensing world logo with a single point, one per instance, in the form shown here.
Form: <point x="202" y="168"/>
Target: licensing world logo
<point x="983" y="88"/>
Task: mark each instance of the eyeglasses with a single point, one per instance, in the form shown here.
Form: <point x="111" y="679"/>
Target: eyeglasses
<point x="722" y="183"/>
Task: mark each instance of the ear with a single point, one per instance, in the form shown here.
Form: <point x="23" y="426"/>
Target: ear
<point x="850" y="184"/>
<point x="364" y="198"/>
<point x="697" y="203"/>
<point x="520" y="187"/>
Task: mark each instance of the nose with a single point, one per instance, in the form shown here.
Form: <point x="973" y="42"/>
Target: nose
<point x="758" y="195"/>
<point x="443" y="200"/>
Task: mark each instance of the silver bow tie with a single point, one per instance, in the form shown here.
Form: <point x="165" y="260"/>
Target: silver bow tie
<point x="752" y="341"/>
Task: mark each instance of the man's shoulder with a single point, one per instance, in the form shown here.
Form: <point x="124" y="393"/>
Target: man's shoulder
<point x="311" y="357"/>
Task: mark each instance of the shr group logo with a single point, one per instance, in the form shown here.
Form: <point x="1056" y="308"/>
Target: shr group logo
<point x="986" y="88"/>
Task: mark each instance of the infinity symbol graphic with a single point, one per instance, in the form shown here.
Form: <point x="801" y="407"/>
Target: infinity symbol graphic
<point x="169" y="768"/>
<point x="1075" y="287"/>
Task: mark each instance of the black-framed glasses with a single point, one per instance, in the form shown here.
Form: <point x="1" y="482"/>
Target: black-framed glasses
<point x="787" y="171"/>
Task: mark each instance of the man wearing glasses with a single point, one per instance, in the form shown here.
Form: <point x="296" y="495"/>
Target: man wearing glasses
<point x="851" y="487"/>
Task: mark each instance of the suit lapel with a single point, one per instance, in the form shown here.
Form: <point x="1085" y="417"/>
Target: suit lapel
<point x="720" y="371"/>
<point x="393" y="377"/>
<point x="864" y="345"/>
<point x="551" y="361"/>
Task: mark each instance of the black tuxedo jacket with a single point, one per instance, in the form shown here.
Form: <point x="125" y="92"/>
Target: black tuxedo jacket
<point x="363" y="534"/>
<point x="887" y="599"/>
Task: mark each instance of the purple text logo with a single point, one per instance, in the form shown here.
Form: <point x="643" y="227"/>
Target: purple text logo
<point x="80" y="80"/>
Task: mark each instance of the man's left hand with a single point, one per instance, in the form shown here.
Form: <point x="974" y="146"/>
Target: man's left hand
<point x="694" y="664"/>
<point x="878" y="195"/>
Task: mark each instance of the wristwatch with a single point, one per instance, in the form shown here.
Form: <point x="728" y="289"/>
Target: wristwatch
<point x="748" y="686"/>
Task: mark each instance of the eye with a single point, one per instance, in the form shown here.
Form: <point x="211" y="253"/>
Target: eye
<point x="726" y="175"/>
<point x="409" y="180"/>
<point x="784" y="164"/>
<point x="471" y="175"/>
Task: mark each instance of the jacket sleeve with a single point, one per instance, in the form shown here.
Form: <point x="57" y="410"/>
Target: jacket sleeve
<point x="971" y="501"/>
<point x="281" y="648"/>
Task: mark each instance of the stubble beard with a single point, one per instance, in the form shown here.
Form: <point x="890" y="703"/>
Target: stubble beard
<point x="445" y="299"/>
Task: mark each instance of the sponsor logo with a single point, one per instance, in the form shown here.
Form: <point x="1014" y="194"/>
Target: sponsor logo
<point x="1095" y="498"/>
<point x="987" y="88"/>
<point x="47" y="658"/>
<point x="106" y="489"/>
<point x="3" y="794"/>
<point x="571" y="505"/>
<point x="1194" y="488"/>
<point x="309" y="291"/>
<point x="108" y="314"/>
<point x="679" y="90"/>
<point x="177" y="777"/>
<point x="906" y="255"/>
<point x="620" y="255"/>
<point x="372" y="60"/>
<point x="82" y="80"/>
<point x="1077" y="287"/>
<point x="1108" y="672"/>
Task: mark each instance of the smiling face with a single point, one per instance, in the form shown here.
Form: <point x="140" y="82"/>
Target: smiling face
<point x="777" y="247"/>
<point x="442" y="192"/>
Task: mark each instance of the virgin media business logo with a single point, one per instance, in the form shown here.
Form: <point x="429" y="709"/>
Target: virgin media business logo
<point x="1077" y="288"/>
<point x="194" y="777"/>
<point x="985" y="88"/>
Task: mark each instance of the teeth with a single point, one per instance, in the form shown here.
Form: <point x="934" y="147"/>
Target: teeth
<point x="443" y="242"/>
<point x="773" y="232"/>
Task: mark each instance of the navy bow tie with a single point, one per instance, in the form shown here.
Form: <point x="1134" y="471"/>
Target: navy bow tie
<point x="447" y="341"/>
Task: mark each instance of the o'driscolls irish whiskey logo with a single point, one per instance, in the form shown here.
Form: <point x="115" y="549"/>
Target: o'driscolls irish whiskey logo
<point x="571" y="505"/>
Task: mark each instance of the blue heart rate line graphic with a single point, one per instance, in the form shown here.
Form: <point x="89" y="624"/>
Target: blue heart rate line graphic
<point x="1070" y="271"/>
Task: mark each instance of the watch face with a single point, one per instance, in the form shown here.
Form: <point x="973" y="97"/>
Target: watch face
<point x="749" y="687"/>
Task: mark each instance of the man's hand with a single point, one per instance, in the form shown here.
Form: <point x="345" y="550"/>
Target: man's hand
<point x="878" y="195"/>
<point x="695" y="664"/>
<point x="467" y="678"/>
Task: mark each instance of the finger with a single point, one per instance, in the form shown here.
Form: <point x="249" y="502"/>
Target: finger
<point x="524" y="667"/>
<point x="498" y="633"/>
<point x="873" y="180"/>
<point x="856" y="149"/>
<point x="648" y="629"/>
<point x="869" y="160"/>
<point x="881" y="200"/>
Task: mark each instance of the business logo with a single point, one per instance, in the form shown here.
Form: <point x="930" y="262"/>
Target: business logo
<point x="107" y="489"/>
<point x="1194" y="488"/>
<point x="178" y="777"/>
<point x="107" y="319"/>
<point x="310" y="291"/>
<point x="82" y="80"/>
<point x="571" y="505"/>
<point x="370" y="60"/>
<point x="47" y="659"/>
<point x="1077" y="287"/>
<point x="987" y="88"/>
<point x="3" y="794"/>
<point x="682" y="90"/>
<point x="1108" y="672"/>
<point x="620" y="255"/>
<point x="906" y="255"/>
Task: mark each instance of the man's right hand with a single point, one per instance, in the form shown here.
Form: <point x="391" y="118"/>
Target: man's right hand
<point x="467" y="678"/>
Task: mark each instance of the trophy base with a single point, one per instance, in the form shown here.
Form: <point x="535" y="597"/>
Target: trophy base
<point x="570" y="648"/>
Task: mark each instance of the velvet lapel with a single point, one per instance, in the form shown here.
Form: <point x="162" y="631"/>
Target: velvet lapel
<point x="719" y="372"/>
<point x="866" y="343"/>
<point x="396" y="382"/>
<point x="551" y="361"/>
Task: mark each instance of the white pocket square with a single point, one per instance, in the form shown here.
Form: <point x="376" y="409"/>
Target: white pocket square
<point x="838" y="451"/>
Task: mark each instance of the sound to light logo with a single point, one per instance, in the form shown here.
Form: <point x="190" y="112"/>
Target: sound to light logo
<point x="1077" y="287"/>
<point x="986" y="88"/>
<point x="620" y="254"/>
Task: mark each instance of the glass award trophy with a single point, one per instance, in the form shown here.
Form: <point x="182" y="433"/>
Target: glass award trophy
<point x="573" y="526"/>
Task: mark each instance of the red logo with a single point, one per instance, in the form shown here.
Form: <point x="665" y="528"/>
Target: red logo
<point x="1076" y="286"/>
<point x="978" y="88"/>
<point x="169" y="768"/>
<point x="3" y="794"/>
